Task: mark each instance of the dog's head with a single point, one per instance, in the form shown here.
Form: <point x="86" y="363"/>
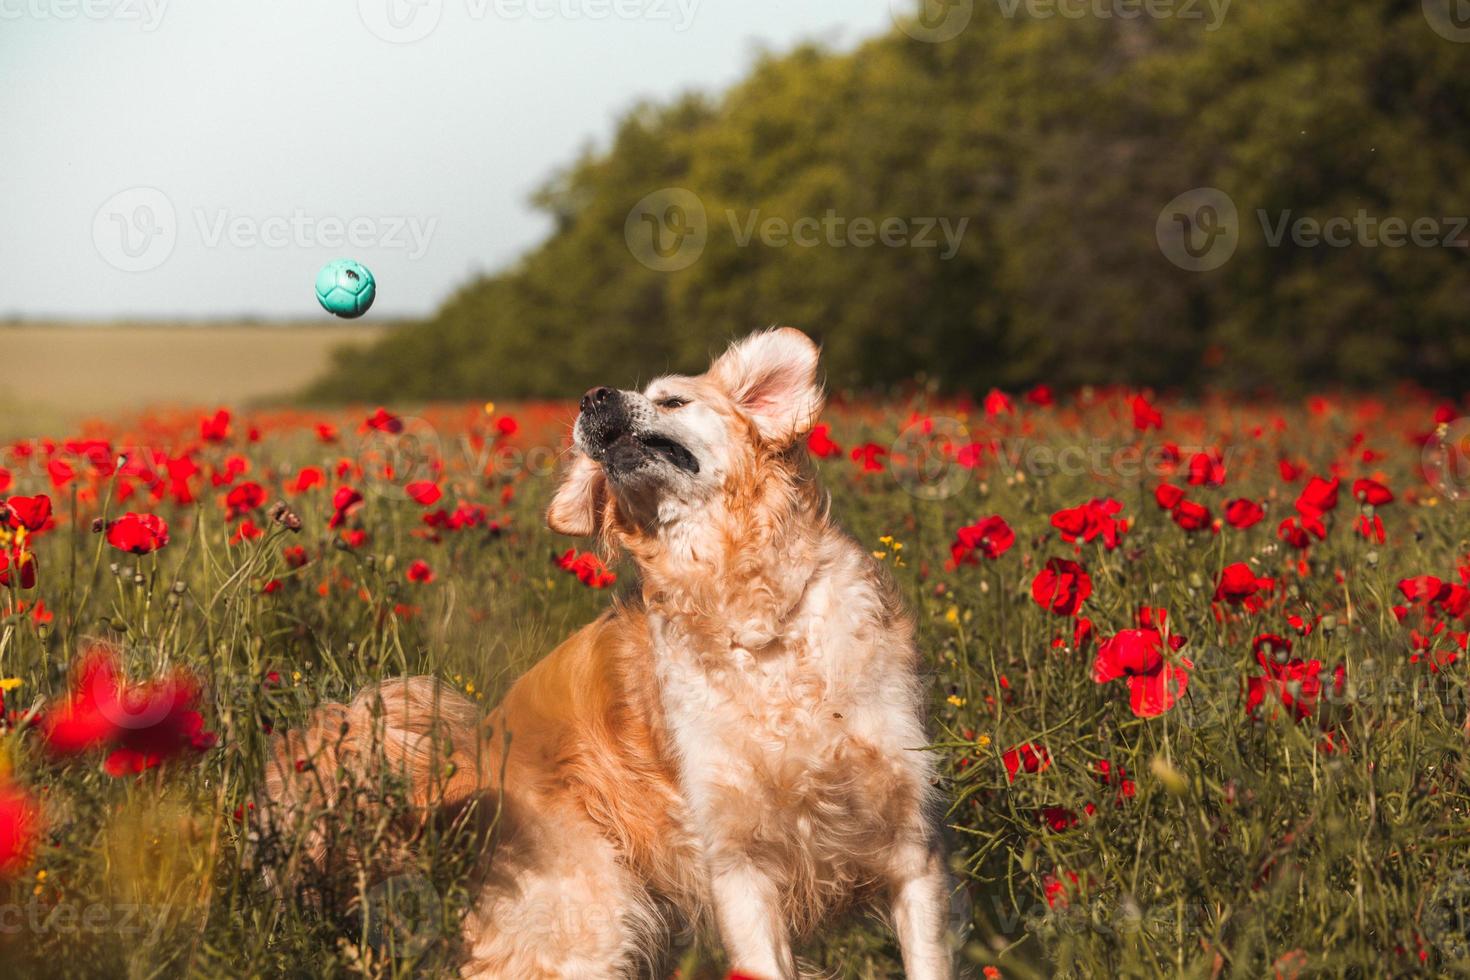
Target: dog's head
<point x="652" y="459"/>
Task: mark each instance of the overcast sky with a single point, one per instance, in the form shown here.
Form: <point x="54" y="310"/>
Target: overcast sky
<point x="201" y="158"/>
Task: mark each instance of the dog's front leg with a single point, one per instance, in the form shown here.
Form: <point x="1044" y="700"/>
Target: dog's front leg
<point x="748" y="910"/>
<point x="918" y="892"/>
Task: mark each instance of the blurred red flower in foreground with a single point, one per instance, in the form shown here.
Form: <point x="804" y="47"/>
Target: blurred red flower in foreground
<point x="1062" y="586"/>
<point x="137" y="534"/>
<point x="20" y="821"/>
<point x="420" y="572"/>
<point x="140" y="725"/>
<point x="588" y="568"/>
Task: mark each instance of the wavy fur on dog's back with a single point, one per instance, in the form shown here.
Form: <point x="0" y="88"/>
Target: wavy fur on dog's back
<point x="406" y="749"/>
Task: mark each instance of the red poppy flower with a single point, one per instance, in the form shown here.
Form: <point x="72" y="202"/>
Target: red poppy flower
<point x="20" y="823"/>
<point x="247" y="531"/>
<point x="216" y="427"/>
<point x="1154" y="684"/>
<point x="138" y="534"/>
<point x="1318" y="497"/>
<point x="425" y="493"/>
<point x="1168" y="496"/>
<point x="819" y="442"/>
<point x="1191" y="516"/>
<point x="383" y="421"/>
<point x="141" y="725"/>
<point x="1041" y="396"/>
<point x="31" y="513"/>
<point x="1090" y="521"/>
<point x="60" y="473"/>
<point x="1372" y="492"/>
<point x="343" y="501"/>
<point x="1145" y="416"/>
<point x="420" y="572"/>
<point x="18" y="567"/>
<point x="992" y="537"/>
<point x="590" y="570"/>
<point x="326" y="432"/>
<point x="507" y="426"/>
<point x="868" y="455"/>
<point x="1372" y="529"/>
<point x="1242" y="513"/>
<point x="243" y="499"/>
<point x="1238" y="584"/>
<point x="1027" y="757"/>
<point x="1295" y="683"/>
<point x="998" y="402"/>
<point x="1062" y="586"/>
<point x="1206" y="469"/>
<point x="309" y="477"/>
<point x="1298" y="532"/>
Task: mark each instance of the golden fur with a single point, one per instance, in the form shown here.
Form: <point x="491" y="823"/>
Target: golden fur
<point x="737" y="749"/>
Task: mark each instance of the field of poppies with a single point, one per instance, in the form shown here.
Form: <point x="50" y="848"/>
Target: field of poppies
<point x="1198" y="671"/>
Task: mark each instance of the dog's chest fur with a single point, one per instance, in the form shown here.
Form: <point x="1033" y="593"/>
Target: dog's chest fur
<point x="793" y="710"/>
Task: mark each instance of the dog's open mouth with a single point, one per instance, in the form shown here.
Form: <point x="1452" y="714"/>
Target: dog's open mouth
<point x="670" y="451"/>
<point x="627" y="450"/>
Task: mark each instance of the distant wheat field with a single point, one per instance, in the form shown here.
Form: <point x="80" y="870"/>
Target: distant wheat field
<point x="58" y="374"/>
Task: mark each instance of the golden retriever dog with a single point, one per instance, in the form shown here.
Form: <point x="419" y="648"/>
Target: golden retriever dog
<point x="739" y="748"/>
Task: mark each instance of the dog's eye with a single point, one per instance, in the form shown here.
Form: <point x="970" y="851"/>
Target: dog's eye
<point x="672" y="402"/>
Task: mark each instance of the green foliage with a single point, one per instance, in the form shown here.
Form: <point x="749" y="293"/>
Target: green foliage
<point x="1061" y="140"/>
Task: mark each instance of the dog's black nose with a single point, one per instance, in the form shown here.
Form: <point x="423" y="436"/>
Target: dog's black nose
<point x="596" y="398"/>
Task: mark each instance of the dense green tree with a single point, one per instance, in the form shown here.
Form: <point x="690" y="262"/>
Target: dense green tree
<point x="1059" y="141"/>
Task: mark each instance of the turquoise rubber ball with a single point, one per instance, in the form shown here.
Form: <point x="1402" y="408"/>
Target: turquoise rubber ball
<point x="346" y="288"/>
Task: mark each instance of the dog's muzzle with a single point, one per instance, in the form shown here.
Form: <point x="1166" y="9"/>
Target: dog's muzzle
<point x="612" y="436"/>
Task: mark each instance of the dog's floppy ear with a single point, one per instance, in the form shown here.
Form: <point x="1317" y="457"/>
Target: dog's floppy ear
<point x="772" y="375"/>
<point x="576" y="509"/>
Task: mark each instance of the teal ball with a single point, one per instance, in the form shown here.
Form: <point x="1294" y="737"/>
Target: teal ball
<point x="346" y="288"/>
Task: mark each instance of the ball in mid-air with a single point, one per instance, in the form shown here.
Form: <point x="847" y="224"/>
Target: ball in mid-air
<point x="346" y="288"/>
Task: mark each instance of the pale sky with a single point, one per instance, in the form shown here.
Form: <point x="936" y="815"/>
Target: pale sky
<point x="203" y="158"/>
